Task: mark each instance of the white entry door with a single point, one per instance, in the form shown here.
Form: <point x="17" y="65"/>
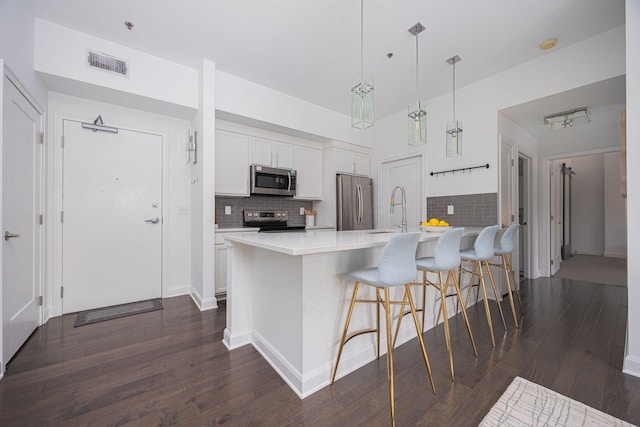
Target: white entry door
<point x="112" y="217"/>
<point x="406" y="172"/>
<point x="21" y="200"/>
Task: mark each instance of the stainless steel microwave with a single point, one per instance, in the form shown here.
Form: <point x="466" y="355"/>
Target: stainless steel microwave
<point x="272" y="181"/>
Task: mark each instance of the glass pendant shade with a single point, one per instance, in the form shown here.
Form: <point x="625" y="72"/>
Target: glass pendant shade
<point x="362" y="114"/>
<point x="417" y="112"/>
<point x="417" y="124"/>
<point x="454" y="138"/>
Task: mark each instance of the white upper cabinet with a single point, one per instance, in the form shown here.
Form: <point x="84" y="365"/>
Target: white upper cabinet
<point x="232" y="164"/>
<point x="308" y="163"/>
<point x="271" y="153"/>
<point x="352" y="162"/>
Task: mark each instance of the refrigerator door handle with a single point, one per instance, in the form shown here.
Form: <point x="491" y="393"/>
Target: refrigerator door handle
<point x="360" y="203"/>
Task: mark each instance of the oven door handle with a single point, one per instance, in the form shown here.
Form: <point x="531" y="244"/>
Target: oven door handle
<point x="289" y="186"/>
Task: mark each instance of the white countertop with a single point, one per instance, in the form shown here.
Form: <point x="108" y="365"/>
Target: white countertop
<point x="323" y="241"/>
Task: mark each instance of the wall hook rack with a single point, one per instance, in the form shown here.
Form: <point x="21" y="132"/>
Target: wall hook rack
<point x="463" y="170"/>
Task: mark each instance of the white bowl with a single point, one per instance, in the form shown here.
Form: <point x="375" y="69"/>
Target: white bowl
<point x="435" y="228"/>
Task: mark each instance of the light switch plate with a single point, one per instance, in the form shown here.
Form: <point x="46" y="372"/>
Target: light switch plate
<point x="301" y="210"/>
<point x="227" y="210"/>
<point x="450" y="210"/>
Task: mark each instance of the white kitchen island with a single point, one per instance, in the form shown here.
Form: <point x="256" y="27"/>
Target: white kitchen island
<point x="287" y="298"/>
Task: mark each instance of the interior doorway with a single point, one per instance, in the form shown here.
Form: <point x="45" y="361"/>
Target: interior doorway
<point x="407" y="172"/>
<point x="524" y="215"/>
<point x="112" y="223"/>
<point x="21" y="219"/>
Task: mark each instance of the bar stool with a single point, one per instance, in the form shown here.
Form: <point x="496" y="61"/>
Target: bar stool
<point x="396" y="267"/>
<point x="504" y="248"/>
<point x="480" y="254"/>
<point x="446" y="258"/>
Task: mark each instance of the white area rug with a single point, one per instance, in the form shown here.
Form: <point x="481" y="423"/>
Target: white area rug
<point x="528" y="404"/>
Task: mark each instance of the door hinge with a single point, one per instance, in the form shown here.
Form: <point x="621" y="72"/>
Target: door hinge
<point x="40" y="300"/>
<point x="551" y="262"/>
<point x="62" y="141"/>
<point x="551" y="217"/>
<point x="41" y="137"/>
<point x="41" y="219"/>
<point x="61" y="291"/>
<point x="513" y="217"/>
<point x="62" y="216"/>
<point x="513" y="162"/>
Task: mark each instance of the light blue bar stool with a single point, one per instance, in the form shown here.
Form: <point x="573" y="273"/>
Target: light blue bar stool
<point x="504" y="248"/>
<point x="482" y="251"/>
<point x="446" y="258"/>
<point x="396" y="267"/>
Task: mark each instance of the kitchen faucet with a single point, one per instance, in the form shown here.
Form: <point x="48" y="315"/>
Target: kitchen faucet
<point x="403" y="202"/>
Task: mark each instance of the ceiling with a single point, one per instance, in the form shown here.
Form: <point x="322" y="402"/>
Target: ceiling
<point x="603" y="101"/>
<point x="310" y="49"/>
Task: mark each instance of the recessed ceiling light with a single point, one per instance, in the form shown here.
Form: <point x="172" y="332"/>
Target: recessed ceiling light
<point x="548" y="44"/>
<point x="128" y="24"/>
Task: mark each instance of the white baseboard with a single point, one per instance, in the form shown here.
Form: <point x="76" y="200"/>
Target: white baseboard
<point x="236" y="340"/>
<point x="616" y="254"/>
<point x="631" y="366"/>
<point x="203" y="304"/>
<point x="596" y="253"/>
<point x="176" y="291"/>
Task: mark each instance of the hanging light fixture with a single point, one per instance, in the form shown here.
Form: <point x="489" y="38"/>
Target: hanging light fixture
<point x="417" y="115"/>
<point x="454" y="129"/>
<point x="362" y="115"/>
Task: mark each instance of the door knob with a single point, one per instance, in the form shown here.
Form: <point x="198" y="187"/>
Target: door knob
<point x="8" y="235"/>
<point x="152" y="220"/>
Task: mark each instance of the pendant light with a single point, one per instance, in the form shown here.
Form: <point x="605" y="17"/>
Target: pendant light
<point x="454" y="128"/>
<point x="417" y="112"/>
<point x="362" y="115"/>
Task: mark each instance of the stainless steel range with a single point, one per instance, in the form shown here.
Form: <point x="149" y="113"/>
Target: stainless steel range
<point x="270" y="221"/>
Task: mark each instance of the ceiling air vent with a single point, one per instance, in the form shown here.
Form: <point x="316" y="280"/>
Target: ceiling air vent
<point x="107" y="62"/>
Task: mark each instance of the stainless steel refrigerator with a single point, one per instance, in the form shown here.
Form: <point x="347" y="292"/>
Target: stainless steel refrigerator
<point x="355" y="202"/>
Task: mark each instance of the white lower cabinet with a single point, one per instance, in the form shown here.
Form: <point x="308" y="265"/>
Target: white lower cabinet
<point x="221" y="269"/>
<point x="220" y="258"/>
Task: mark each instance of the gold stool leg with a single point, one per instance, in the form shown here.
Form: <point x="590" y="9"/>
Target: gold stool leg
<point x="506" y="275"/>
<point x="447" y="336"/>
<point x="464" y="311"/>
<point x="346" y="328"/>
<point x="495" y="292"/>
<point x="486" y="303"/>
<point x="401" y="314"/>
<point x="379" y="299"/>
<point x="420" y="339"/>
<point x="387" y="313"/>
<point x="514" y="282"/>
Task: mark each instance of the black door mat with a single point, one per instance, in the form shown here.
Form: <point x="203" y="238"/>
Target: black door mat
<point x="115" y="311"/>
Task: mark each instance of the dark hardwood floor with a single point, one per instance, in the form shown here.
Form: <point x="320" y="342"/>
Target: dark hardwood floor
<point x="170" y="367"/>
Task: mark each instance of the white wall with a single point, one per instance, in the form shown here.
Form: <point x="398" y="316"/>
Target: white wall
<point x="632" y="360"/>
<point x="152" y="84"/>
<point x="176" y="188"/>
<point x="587" y="200"/>
<point x="239" y="97"/>
<point x="16" y="46"/>
<point x="592" y="60"/>
<point x="203" y="193"/>
<point x="615" y="209"/>
<point x="2" y="362"/>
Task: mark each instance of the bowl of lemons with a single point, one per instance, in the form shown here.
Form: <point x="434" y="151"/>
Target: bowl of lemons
<point x="435" y="225"/>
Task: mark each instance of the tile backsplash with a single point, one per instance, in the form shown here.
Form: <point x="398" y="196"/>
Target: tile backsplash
<point x="239" y="204"/>
<point x="470" y="210"/>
